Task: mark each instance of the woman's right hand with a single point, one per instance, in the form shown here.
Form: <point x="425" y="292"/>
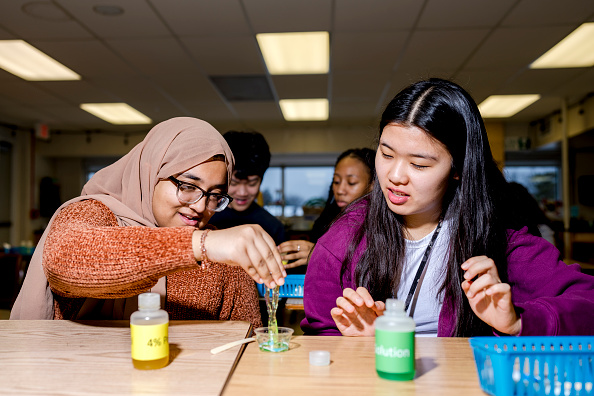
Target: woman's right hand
<point x="247" y="246"/>
<point x="356" y="311"/>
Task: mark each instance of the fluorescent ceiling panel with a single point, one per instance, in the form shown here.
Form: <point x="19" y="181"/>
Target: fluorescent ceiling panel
<point x="116" y="113"/>
<point x="27" y="62"/>
<point x="295" y="53"/>
<point x="575" y="50"/>
<point x="304" y="109"/>
<point x="502" y="106"/>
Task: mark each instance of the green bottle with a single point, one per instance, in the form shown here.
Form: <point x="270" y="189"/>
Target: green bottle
<point x="395" y="343"/>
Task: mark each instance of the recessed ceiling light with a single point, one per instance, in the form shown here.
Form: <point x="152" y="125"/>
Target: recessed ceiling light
<point x="304" y="109"/>
<point x="116" y="113"/>
<point x="27" y="62"/>
<point x="295" y="53"/>
<point x="502" y="106"/>
<point x="575" y="50"/>
<point x="108" y="10"/>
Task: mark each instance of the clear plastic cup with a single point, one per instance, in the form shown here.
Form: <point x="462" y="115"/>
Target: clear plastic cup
<point x="270" y="342"/>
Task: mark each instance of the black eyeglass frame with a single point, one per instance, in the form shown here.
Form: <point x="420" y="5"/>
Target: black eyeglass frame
<point x="206" y="194"/>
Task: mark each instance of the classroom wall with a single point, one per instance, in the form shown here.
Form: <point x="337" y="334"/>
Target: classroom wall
<point x="580" y="118"/>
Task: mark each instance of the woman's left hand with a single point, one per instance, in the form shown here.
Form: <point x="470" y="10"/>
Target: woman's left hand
<point x="489" y="298"/>
<point x="295" y="252"/>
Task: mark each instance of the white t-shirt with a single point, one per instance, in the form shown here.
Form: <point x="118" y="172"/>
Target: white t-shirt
<point x="429" y="301"/>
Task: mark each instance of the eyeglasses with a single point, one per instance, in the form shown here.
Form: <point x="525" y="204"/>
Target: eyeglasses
<point x="188" y="193"/>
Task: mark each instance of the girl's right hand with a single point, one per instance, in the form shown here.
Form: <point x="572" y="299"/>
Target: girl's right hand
<point x="295" y="252"/>
<point x="247" y="246"/>
<point x="355" y="312"/>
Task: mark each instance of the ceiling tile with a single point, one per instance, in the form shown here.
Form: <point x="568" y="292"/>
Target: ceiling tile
<point x="5" y="35"/>
<point x="456" y="14"/>
<point x="29" y="93"/>
<point x="203" y="18"/>
<point x="258" y="111"/>
<point x="354" y="111"/>
<point x="227" y="55"/>
<point x="210" y="111"/>
<point x="13" y="113"/>
<point x="541" y="81"/>
<point x="6" y="76"/>
<point x="482" y="83"/>
<point x="98" y="59"/>
<point x="375" y="15"/>
<point x="426" y="49"/>
<point x="138" y="20"/>
<point x="358" y="87"/>
<point x="160" y="110"/>
<point x="353" y="52"/>
<point x="137" y="90"/>
<point x="301" y="87"/>
<point x="186" y="87"/>
<point x="577" y="87"/>
<point x="517" y="47"/>
<point x="549" y="12"/>
<point x="76" y="92"/>
<point x="155" y="56"/>
<point x="545" y="105"/>
<point x="67" y="117"/>
<point x="43" y="22"/>
<point x="268" y="16"/>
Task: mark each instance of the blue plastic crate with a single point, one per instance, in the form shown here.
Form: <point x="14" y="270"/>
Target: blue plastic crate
<point x="293" y="287"/>
<point x="562" y="365"/>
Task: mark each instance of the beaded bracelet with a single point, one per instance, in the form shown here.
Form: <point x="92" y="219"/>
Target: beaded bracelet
<point x="205" y="260"/>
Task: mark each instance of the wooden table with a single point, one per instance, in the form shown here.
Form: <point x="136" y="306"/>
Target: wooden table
<point x="93" y="358"/>
<point x="445" y="366"/>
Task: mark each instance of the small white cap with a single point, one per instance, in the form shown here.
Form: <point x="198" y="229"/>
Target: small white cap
<point x="149" y="300"/>
<point x="319" y="358"/>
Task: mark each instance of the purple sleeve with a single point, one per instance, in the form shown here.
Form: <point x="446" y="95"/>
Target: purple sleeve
<point x="552" y="298"/>
<point x="322" y="288"/>
<point x="322" y="280"/>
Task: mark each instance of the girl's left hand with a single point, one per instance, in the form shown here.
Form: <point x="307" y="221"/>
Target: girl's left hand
<point x="489" y="298"/>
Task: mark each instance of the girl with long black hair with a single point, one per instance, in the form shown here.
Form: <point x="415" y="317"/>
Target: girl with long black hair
<point x="433" y="233"/>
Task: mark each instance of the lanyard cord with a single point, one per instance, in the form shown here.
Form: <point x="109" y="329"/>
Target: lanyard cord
<point x="413" y="287"/>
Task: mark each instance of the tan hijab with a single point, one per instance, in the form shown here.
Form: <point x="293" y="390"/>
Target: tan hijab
<point x="127" y="187"/>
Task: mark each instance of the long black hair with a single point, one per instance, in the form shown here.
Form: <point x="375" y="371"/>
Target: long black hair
<point x="331" y="209"/>
<point x="447" y="113"/>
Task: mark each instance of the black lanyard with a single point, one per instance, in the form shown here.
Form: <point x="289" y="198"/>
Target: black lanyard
<point x="413" y="287"/>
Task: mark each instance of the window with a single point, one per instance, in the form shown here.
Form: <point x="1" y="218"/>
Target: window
<point x="543" y="182"/>
<point x="93" y="165"/>
<point x="286" y="189"/>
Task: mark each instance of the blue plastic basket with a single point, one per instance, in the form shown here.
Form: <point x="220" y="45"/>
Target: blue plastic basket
<point x="293" y="287"/>
<point x="529" y="366"/>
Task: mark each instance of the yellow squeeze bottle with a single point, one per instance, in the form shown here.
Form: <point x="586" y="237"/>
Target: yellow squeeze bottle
<point x="149" y="331"/>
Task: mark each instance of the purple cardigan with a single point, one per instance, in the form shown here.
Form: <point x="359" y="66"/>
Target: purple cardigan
<point x="551" y="297"/>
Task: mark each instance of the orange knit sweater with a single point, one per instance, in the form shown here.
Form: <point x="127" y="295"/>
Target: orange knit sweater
<point x="87" y="255"/>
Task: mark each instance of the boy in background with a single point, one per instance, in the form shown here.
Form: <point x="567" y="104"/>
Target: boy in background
<point x="252" y="158"/>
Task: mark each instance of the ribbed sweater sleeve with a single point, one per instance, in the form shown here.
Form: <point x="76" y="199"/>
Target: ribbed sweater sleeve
<point x="87" y="254"/>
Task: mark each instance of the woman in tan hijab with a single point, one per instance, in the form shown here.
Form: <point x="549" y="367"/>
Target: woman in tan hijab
<point x="142" y="224"/>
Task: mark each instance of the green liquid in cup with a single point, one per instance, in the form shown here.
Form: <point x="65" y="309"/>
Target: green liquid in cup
<point x="273" y="344"/>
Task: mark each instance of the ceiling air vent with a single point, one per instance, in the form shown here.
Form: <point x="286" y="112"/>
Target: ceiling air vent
<point x="243" y="88"/>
